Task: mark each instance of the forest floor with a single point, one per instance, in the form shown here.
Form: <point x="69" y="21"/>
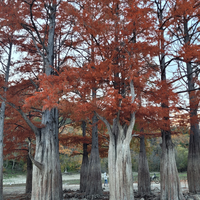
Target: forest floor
<point x="14" y="189"/>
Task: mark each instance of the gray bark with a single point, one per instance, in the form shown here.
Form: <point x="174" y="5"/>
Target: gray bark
<point x="119" y="156"/>
<point x="119" y="163"/>
<point x="144" y="187"/>
<point x="84" y="166"/>
<point x="29" y="175"/>
<point x="94" y="185"/>
<point x="13" y="165"/>
<point x="47" y="182"/>
<point x="170" y="183"/>
<point x="47" y="179"/>
<point x="2" y="116"/>
<point x="193" y="168"/>
<point x="1" y="147"/>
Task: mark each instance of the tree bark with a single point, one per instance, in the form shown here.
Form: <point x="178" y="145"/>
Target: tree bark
<point x="1" y="147"/>
<point x="13" y="165"/>
<point x="2" y="116"/>
<point x="170" y="183"/>
<point x="193" y="168"/>
<point x="47" y="182"/>
<point x="119" y="156"/>
<point x="84" y="166"/>
<point x="119" y="163"/>
<point x="94" y="185"/>
<point x="47" y="179"/>
<point x="144" y="186"/>
<point x="29" y="175"/>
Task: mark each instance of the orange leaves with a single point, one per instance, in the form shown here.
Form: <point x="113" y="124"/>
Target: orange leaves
<point x="185" y="8"/>
<point x="49" y="94"/>
<point x="64" y="150"/>
<point x="190" y="53"/>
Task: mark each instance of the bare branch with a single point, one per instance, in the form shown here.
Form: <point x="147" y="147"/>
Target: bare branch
<point x="188" y="90"/>
<point x="36" y="86"/>
<point x="36" y="163"/>
<point x="105" y="121"/>
<point x="31" y="125"/>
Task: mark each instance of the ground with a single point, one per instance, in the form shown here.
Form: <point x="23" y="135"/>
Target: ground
<point x="14" y="189"/>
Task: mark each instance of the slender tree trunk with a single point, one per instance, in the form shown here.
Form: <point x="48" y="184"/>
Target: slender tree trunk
<point x="3" y="105"/>
<point x="119" y="164"/>
<point x="13" y="165"/>
<point x="29" y="175"/>
<point x="5" y="166"/>
<point x="84" y="166"/>
<point x="2" y="116"/>
<point x="94" y="185"/>
<point x="170" y="183"/>
<point x="144" y="187"/>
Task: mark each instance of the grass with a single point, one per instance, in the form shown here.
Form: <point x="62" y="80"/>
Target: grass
<point x="182" y="176"/>
<point x="72" y="182"/>
<point x="7" y="176"/>
<point x="9" y="173"/>
<point x="14" y="185"/>
<point x="76" y="182"/>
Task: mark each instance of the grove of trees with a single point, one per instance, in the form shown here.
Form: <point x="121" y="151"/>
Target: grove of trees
<point x="116" y="69"/>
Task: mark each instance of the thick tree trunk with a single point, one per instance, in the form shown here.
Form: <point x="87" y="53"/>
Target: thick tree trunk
<point x="170" y="183"/>
<point x="144" y="187"/>
<point x="193" y="168"/>
<point x="119" y="156"/>
<point x="84" y="166"/>
<point x="119" y="164"/>
<point x="29" y="175"/>
<point x="47" y="179"/>
<point x="94" y="185"/>
<point x="84" y="172"/>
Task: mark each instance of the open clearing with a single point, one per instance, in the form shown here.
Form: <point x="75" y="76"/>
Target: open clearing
<point x="14" y="187"/>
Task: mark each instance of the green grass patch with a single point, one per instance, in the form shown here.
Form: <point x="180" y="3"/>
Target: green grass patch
<point x="72" y="182"/>
<point x="182" y="176"/>
<point x="7" y="175"/>
<point x="14" y="185"/>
